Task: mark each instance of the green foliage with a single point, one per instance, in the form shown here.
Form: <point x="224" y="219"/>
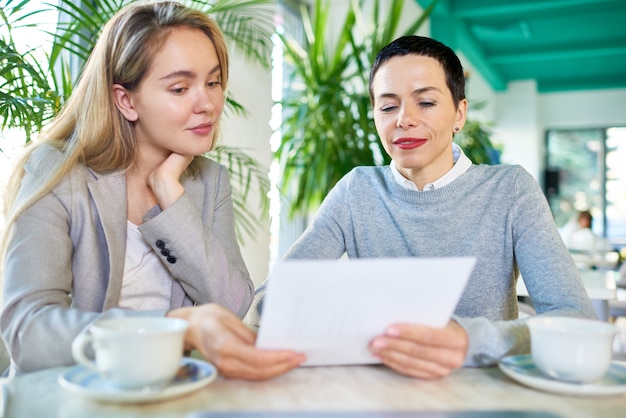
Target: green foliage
<point x="32" y="92"/>
<point x="475" y="140"/>
<point x="328" y="126"/>
<point x="27" y="98"/>
<point x="240" y="163"/>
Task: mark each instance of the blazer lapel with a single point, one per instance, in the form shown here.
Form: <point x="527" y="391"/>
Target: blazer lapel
<point x="109" y="196"/>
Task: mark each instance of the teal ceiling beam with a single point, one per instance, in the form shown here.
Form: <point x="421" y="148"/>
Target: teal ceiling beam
<point x="472" y="8"/>
<point x="561" y="44"/>
<point x="558" y="55"/>
<point x="471" y="49"/>
<point x="453" y="32"/>
<point x="556" y="86"/>
<point x="442" y="7"/>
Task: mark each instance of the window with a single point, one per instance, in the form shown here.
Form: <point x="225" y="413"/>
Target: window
<point x="284" y="230"/>
<point x="586" y="172"/>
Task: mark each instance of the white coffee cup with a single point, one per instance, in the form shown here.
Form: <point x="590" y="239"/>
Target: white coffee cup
<point x="571" y="349"/>
<point x="133" y="352"/>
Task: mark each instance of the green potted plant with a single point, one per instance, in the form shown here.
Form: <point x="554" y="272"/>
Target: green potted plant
<point x="475" y="139"/>
<point x="328" y="127"/>
<point x="32" y="92"/>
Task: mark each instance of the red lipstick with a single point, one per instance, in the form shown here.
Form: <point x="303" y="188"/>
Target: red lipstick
<point x="409" y="143"/>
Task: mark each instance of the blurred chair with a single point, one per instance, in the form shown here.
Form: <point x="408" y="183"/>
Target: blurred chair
<point x="617" y="307"/>
<point x="525" y="309"/>
<point x="595" y="259"/>
<point x="5" y="359"/>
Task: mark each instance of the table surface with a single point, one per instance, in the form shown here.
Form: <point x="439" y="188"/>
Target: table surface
<point x="349" y="388"/>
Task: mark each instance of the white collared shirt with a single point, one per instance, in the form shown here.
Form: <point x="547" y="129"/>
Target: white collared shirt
<point x="461" y="164"/>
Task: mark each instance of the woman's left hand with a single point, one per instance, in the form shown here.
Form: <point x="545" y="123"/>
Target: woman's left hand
<point x="421" y="351"/>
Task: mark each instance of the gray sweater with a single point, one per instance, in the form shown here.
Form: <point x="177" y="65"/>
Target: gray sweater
<point x="497" y="214"/>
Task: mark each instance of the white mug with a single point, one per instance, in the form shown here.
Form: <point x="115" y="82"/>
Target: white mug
<point x="571" y="349"/>
<point x="133" y="352"/>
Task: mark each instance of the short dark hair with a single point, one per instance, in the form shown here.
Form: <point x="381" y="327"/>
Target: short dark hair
<point x="428" y="47"/>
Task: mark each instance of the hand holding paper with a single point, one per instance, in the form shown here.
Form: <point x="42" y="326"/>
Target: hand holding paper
<point x="331" y="310"/>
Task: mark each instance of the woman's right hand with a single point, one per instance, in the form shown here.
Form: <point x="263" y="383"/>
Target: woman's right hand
<point x="165" y="179"/>
<point x="225" y="341"/>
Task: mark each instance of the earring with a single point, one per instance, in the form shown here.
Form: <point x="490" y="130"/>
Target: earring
<point x="456" y="129"/>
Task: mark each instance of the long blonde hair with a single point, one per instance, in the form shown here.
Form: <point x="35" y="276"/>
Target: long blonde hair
<point x="89" y="129"/>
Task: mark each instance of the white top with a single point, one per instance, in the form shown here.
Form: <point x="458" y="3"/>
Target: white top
<point x="461" y="164"/>
<point x="147" y="284"/>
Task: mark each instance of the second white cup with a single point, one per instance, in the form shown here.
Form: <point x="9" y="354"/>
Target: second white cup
<point x="571" y="349"/>
<point x="134" y="352"/>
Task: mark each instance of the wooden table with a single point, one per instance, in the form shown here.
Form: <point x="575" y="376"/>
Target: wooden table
<point x="351" y="388"/>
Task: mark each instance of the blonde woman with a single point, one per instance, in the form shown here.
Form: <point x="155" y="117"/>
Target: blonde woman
<point x="115" y="212"/>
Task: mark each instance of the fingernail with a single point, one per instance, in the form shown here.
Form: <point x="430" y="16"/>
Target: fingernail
<point x="378" y="344"/>
<point x="393" y="332"/>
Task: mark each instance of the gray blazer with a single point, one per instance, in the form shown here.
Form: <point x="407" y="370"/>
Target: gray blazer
<point x="65" y="260"/>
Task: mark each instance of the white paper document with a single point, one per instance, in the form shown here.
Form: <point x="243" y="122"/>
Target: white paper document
<point x="330" y="310"/>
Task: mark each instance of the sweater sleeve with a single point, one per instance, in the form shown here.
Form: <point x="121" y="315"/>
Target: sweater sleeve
<point x="324" y="238"/>
<point x="548" y="271"/>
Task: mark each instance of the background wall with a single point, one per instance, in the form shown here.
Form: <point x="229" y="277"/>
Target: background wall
<point x="250" y="85"/>
<point x="520" y="115"/>
<point x="522" y="131"/>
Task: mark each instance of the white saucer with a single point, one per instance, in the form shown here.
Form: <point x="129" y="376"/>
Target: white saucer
<point x="193" y="375"/>
<point x="522" y="369"/>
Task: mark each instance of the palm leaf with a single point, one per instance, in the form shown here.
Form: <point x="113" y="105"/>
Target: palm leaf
<point x="248" y="25"/>
<point x="328" y="125"/>
<point x="26" y="99"/>
<point x="245" y="173"/>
